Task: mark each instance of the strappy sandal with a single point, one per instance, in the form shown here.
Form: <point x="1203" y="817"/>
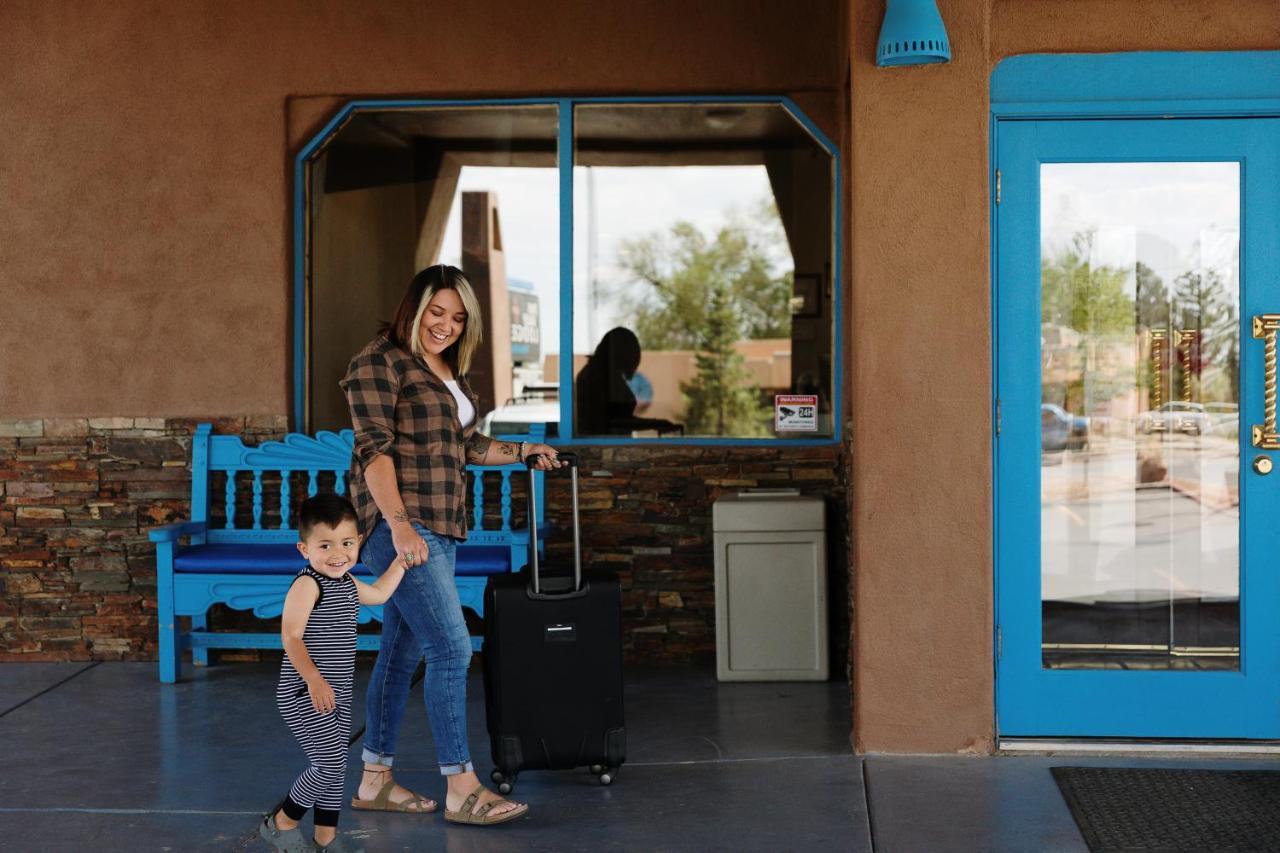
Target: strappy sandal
<point x="382" y="802"/>
<point x="474" y="816"/>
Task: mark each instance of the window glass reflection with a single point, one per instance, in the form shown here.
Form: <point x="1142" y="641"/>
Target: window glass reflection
<point x="398" y="190"/>
<point x="1139" y="413"/>
<point x="703" y="238"/>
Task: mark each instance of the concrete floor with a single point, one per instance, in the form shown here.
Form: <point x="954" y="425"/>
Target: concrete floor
<point x="102" y="757"/>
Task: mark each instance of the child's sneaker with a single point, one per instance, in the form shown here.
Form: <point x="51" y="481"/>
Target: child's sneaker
<point x="284" y="840"/>
<point x="336" y="846"/>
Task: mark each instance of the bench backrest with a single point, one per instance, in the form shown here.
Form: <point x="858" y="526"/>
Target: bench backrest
<point x="300" y="461"/>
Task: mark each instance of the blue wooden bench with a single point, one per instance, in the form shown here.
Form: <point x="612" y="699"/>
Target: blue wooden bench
<point x="247" y="558"/>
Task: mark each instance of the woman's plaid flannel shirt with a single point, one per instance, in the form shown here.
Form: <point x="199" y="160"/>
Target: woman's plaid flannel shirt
<point x="401" y="409"/>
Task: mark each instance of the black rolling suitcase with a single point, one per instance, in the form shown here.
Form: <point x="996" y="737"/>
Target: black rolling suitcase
<point x="553" y="666"/>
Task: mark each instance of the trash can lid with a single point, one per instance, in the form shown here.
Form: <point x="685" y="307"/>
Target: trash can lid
<point x="762" y="512"/>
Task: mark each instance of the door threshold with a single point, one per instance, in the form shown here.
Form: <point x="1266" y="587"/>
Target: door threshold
<point x="1121" y="746"/>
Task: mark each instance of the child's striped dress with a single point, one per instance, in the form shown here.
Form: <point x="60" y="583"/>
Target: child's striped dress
<point x="330" y="638"/>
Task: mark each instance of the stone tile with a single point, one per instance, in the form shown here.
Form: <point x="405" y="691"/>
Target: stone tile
<point x="110" y="423"/>
<point x="267" y="423"/>
<point x="30" y="428"/>
<point x="66" y="427"/>
<point x="40" y="515"/>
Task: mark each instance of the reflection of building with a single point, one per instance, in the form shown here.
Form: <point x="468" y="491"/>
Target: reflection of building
<point x="526" y="323"/>
<point x="1090" y="374"/>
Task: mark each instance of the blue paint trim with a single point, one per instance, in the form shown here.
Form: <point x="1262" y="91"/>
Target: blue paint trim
<point x="564" y="162"/>
<point x="1104" y="86"/>
<point x="565" y="165"/>
<point x="299" y="421"/>
<point x="1144" y="83"/>
<point x="996" y="528"/>
<point x="706" y="442"/>
<point x="837" y="270"/>
<point x="1179" y="704"/>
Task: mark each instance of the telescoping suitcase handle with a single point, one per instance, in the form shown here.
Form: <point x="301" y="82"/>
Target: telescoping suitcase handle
<point x="536" y="590"/>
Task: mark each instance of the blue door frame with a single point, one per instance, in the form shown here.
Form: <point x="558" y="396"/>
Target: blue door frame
<point x="1128" y="107"/>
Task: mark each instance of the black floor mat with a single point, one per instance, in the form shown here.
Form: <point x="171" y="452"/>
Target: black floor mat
<point x="1129" y="809"/>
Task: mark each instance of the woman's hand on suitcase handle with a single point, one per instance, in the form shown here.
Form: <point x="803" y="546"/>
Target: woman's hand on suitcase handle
<point x="543" y="457"/>
<point x="410" y="546"/>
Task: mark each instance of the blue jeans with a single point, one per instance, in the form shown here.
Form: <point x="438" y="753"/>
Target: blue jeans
<point x="422" y="619"/>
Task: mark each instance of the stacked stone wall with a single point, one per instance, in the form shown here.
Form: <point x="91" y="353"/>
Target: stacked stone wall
<point x="77" y="572"/>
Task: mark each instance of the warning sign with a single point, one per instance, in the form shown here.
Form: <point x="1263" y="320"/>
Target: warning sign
<point x="795" y="413"/>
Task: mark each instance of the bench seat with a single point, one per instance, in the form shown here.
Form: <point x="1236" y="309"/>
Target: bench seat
<point x="279" y="559"/>
<point x="247" y="563"/>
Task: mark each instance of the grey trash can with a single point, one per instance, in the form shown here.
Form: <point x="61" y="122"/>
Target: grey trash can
<point x="771" y="586"/>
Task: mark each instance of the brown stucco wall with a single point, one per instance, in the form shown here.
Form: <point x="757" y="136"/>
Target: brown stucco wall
<point x="920" y="345"/>
<point x="145" y="232"/>
<point x="147" y="209"/>
<point x="145" y="269"/>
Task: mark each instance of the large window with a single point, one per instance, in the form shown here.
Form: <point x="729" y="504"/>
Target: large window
<point x="694" y="299"/>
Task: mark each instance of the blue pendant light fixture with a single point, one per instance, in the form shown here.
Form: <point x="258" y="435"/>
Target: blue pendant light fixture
<point x="912" y="34"/>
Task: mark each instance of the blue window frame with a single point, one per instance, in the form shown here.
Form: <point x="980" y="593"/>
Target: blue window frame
<point x="301" y="314"/>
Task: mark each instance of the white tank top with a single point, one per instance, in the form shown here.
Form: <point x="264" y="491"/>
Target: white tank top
<point x="466" y="411"/>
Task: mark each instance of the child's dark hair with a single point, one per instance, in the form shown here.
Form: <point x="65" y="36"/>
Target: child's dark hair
<point x="328" y="509"/>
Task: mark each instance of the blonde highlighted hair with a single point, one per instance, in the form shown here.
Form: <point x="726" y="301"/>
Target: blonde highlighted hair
<point x="405" y="330"/>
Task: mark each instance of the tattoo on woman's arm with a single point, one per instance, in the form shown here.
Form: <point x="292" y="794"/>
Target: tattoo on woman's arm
<point x="510" y="448"/>
<point x="476" y="447"/>
<point x="400" y="515"/>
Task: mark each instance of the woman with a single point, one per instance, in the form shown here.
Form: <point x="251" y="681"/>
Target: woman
<point x="414" y="419"/>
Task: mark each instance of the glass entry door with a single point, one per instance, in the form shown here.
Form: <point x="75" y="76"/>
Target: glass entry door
<point x="1138" y="521"/>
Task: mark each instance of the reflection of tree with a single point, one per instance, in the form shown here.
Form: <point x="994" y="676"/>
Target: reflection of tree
<point x="1153" y="298"/>
<point x="1152" y="313"/>
<point x="684" y="268"/>
<point x="1095" y="364"/>
<point x="1093" y="301"/>
<point x="1084" y="297"/>
<point x="722" y="399"/>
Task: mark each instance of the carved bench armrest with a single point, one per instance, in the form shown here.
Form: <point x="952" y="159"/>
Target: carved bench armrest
<point x="172" y="532"/>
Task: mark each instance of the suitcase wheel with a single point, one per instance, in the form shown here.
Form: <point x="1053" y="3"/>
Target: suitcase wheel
<point x="596" y="769"/>
<point x="607" y="777"/>
<point x="504" y="787"/>
<point x="497" y="777"/>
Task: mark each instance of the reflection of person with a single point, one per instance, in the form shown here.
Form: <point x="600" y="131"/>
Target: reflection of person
<point x="415" y="431"/>
<point x="314" y="693"/>
<point x="603" y="398"/>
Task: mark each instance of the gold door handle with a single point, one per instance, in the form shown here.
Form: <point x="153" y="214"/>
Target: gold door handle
<point x="1265" y="326"/>
<point x="1189" y="344"/>
<point x="1159" y="339"/>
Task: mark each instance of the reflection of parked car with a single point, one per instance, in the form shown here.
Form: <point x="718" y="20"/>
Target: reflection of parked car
<point x="1061" y="430"/>
<point x="1175" y="416"/>
<point x="1221" y="414"/>
<point x="537" y="405"/>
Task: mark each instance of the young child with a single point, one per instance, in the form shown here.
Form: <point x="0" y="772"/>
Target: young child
<point x="314" y="694"/>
